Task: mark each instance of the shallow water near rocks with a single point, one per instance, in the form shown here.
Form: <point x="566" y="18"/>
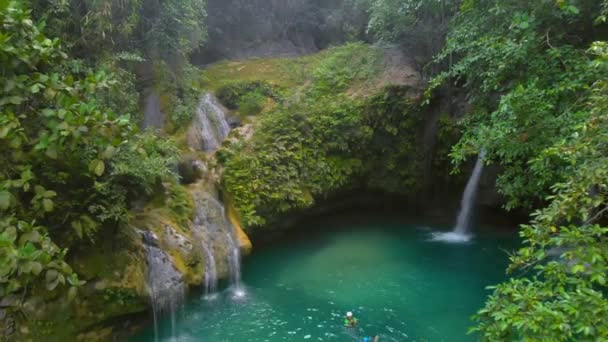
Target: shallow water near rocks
<point x="399" y="283"/>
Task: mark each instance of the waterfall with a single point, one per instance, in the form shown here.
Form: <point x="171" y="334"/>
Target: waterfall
<point x="468" y="198"/>
<point x="219" y="242"/>
<point x="165" y="285"/>
<point x="202" y="225"/>
<point x="461" y="232"/>
<point x="233" y="254"/>
<point x="210" y="269"/>
<point x="210" y="127"/>
<point x="234" y="261"/>
<point x="153" y="118"/>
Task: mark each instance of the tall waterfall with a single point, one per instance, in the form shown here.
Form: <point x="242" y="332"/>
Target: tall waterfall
<point x="165" y="284"/>
<point x="210" y="127"/>
<point x="234" y="261"/>
<point x="219" y="242"/>
<point x="210" y="269"/>
<point x="468" y="198"/>
<point x="461" y="232"/>
<point x="153" y="118"/>
<point x="202" y="224"/>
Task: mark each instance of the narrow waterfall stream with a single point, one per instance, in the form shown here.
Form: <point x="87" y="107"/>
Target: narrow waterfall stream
<point x="463" y="222"/>
<point x="462" y="230"/>
<point x="165" y="284"/>
<point x="219" y="243"/>
<point x="153" y="117"/>
<point x="210" y="127"/>
<point x="234" y="261"/>
<point x="207" y="132"/>
<point x="233" y="253"/>
<point x="213" y="232"/>
<point x="201" y="225"/>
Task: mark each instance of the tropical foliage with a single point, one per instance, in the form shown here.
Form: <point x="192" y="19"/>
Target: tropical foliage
<point x="538" y="94"/>
<point x="71" y="163"/>
<point x="420" y="26"/>
<point x="324" y="139"/>
<point x="304" y="149"/>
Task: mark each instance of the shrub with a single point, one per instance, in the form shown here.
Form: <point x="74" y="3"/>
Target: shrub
<point x="234" y="94"/>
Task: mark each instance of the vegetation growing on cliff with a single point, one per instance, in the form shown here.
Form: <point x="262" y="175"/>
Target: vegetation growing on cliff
<point x="73" y="160"/>
<point x="325" y="139"/>
<point x="534" y="73"/>
<point x="535" y="79"/>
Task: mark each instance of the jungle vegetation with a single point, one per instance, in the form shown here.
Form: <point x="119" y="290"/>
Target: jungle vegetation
<point x="73" y="159"/>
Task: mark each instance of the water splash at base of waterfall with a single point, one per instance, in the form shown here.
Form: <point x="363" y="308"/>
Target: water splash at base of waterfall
<point x="462" y="231"/>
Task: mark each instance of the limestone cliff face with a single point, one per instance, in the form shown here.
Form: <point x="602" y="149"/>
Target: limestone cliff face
<point x="240" y="29"/>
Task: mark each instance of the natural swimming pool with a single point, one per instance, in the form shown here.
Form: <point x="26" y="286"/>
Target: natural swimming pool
<point x="400" y="285"/>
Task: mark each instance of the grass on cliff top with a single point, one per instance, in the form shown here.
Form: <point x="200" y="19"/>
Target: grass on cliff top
<point x="355" y="61"/>
<point x="286" y="73"/>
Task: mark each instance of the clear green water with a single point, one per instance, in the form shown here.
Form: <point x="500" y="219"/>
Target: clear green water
<point x="400" y="285"/>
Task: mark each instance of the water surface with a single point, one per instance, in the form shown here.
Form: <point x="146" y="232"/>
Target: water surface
<point x="399" y="284"/>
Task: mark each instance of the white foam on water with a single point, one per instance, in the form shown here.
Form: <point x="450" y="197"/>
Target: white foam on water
<point x="239" y="293"/>
<point x="451" y="237"/>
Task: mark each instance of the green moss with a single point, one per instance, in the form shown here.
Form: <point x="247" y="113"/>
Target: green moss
<point x="120" y="296"/>
<point x="114" y="270"/>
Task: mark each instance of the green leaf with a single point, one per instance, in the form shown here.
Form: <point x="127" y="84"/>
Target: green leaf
<point x="4" y="130"/>
<point x="578" y="268"/>
<point x="77" y="226"/>
<point x="97" y="167"/>
<point x="32" y="236"/>
<point x="51" y="275"/>
<point x="109" y="152"/>
<point x="573" y="9"/>
<point x="36" y="268"/>
<point x="49" y="194"/>
<point x="51" y="152"/>
<point x="39" y="190"/>
<point x="5" y="200"/>
<point x="72" y="292"/>
<point x="47" y="204"/>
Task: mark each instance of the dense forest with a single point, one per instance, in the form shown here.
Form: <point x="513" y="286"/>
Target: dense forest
<point x="523" y="81"/>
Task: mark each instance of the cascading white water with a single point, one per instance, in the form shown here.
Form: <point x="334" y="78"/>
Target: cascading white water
<point x="234" y="261"/>
<point x="165" y="284"/>
<point x="210" y="270"/>
<point x="461" y="232"/>
<point x="218" y="242"/>
<point x="202" y="223"/>
<point x="210" y="127"/>
<point x="234" y="252"/>
<point x="468" y="198"/>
